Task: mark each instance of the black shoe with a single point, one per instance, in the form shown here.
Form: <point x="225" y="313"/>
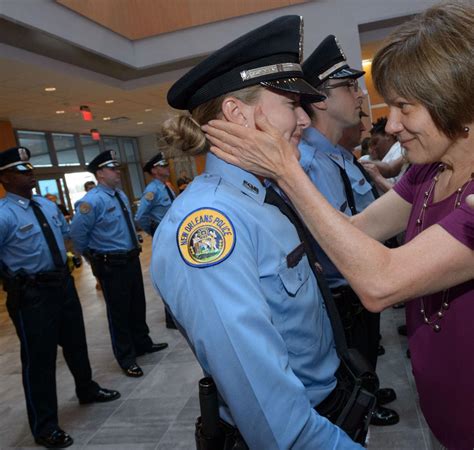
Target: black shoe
<point x="154" y="348"/>
<point x="380" y="350"/>
<point x="101" y="396"/>
<point x="383" y="416"/>
<point x="133" y="371"/>
<point x="385" y="395"/>
<point x="56" y="439"/>
<point x="402" y="330"/>
<point x="171" y="326"/>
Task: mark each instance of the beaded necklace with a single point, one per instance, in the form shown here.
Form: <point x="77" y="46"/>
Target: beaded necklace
<point x="429" y="194"/>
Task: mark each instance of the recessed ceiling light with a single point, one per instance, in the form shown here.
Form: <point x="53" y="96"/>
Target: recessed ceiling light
<point x="50" y="89"/>
<point x="148" y="110"/>
<point x="109" y="101"/>
<point x="105" y="118"/>
<point x="139" y="123"/>
<point x="60" y="112"/>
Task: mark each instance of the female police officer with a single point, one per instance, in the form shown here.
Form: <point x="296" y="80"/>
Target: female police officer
<point x="231" y="267"/>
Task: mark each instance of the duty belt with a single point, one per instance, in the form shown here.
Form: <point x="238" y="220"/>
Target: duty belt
<point x="114" y="257"/>
<point x="46" y="278"/>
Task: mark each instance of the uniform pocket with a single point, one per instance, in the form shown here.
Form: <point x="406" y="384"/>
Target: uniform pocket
<point x="27" y="231"/>
<point x="361" y="187"/>
<point x="293" y="278"/>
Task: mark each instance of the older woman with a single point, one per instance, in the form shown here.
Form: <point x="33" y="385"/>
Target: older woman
<point x="425" y="73"/>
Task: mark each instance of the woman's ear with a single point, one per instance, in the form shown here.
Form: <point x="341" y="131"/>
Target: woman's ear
<point x="235" y="111"/>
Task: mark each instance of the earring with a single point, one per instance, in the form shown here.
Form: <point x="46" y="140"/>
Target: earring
<point x="466" y="129"/>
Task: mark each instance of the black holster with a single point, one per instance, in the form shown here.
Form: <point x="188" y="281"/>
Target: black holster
<point x="348" y="305"/>
<point x="212" y="433"/>
<point x="16" y="284"/>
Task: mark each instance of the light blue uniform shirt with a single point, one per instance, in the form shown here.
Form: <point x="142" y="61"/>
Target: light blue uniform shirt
<point x="99" y="223"/>
<point x="256" y="325"/>
<point x="321" y="160"/>
<point x="154" y="204"/>
<point x="22" y="243"/>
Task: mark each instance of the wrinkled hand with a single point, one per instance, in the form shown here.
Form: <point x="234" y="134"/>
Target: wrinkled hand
<point x="262" y="151"/>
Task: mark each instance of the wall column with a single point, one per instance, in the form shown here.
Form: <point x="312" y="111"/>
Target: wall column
<point x="7" y="140"/>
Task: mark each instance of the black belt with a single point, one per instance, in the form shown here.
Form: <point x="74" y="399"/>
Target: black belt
<point x="114" y="257"/>
<point x="46" y="278"/>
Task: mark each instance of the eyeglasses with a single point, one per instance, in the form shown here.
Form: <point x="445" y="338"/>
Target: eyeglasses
<point x="349" y="83"/>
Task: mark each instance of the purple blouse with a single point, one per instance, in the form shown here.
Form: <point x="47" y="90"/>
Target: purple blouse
<point x="443" y="362"/>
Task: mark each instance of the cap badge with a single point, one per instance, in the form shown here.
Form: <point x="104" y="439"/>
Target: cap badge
<point x="205" y="237"/>
<point x="23" y="154"/>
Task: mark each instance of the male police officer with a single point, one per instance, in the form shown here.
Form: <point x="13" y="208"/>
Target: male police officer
<point x="103" y="230"/>
<point x="155" y="201"/>
<point x="334" y="173"/>
<point x="157" y="196"/>
<point x="41" y="298"/>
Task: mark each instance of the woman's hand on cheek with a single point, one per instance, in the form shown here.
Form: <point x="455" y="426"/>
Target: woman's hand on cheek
<point x="262" y="151"/>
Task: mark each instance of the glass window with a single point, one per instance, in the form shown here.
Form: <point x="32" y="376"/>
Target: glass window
<point x="65" y="147"/>
<point x="135" y="180"/>
<point x="130" y="150"/>
<point x="36" y="143"/>
<point x="90" y="147"/>
<point x="75" y="184"/>
<point x="49" y="187"/>
<point x="112" y="144"/>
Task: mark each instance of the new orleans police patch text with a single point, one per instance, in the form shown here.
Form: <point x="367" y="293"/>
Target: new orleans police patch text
<point x="205" y="237"/>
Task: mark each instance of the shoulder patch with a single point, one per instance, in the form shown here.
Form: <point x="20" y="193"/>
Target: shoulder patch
<point x="85" y="208"/>
<point x="205" y="237"/>
<point x="149" y="196"/>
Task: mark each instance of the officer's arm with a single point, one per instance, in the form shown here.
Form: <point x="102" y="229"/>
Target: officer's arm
<point x="142" y="217"/>
<point x="231" y="328"/>
<point x="82" y="225"/>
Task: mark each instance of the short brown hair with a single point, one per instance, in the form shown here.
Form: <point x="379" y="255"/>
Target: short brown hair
<point x="430" y="60"/>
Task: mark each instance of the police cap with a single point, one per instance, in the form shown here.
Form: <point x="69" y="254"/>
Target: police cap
<point x="328" y="61"/>
<point x="17" y="158"/>
<point x="103" y="160"/>
<point x="270" y="56"/>
<point x="157" y="160"/>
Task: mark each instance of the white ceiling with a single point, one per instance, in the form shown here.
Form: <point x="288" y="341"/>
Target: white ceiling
<point x="26" y="105"/>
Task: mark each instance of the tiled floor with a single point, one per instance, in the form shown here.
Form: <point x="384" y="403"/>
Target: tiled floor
<point x="158" y="410"/>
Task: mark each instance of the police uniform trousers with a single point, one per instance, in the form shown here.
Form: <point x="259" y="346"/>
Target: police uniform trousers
<point x="361" y="327"/>
<point x="122" y="286"/>
<point x="46" y="315"/>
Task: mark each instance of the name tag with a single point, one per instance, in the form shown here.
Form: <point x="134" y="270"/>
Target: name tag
<point x="294" y="257"/>
<point x="26" y="228"/>
<point x="111" y="209"/>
